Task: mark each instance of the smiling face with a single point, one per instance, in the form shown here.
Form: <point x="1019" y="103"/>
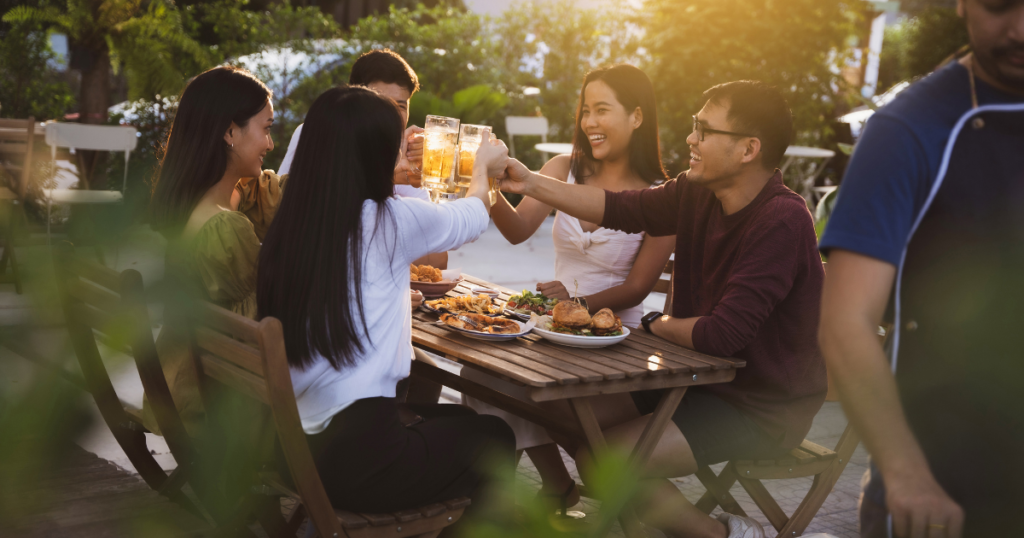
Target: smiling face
<point x="247" y="146"/>
<point x="607" y="124"/>
<point x="400" y="94"/>
<point x="996" y="29"/>
<point x="719" y="156"/>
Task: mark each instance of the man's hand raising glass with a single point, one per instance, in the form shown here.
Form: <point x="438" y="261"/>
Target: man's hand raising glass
<point x="513" y="180"/>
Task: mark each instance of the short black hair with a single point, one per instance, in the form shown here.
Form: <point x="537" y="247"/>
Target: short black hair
<point x="383" y="65"/>
<point x="758" y="109"/>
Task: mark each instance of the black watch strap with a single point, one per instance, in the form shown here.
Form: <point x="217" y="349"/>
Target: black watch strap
<point x="647" y="319"/>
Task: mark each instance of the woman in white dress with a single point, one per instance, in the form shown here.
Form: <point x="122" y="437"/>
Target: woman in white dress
<point x="616" y="148"/>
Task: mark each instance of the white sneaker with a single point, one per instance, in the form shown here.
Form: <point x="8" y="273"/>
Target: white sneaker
<point x="741" y="527"/>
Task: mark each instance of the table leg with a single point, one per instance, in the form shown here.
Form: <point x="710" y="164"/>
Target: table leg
<point x="638" y="458"/>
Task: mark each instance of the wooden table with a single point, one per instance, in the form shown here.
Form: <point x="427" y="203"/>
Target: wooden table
<point x="529" y="370"/>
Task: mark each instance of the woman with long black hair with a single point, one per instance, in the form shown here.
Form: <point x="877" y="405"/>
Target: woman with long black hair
<point x="334" y="268"/>
<point x="213" y="201"/>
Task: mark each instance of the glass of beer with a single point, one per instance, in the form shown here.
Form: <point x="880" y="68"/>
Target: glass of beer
<point x="440" y="140"/>
<point x="469" y="141"/>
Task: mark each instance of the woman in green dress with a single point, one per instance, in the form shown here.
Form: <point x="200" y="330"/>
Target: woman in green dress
<point x="213" y="202"/>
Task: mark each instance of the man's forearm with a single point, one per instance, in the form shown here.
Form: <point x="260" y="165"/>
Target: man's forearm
<point x="676" y="330"/>
<point x="581" y="201"/>
<point x="870" y="397"/>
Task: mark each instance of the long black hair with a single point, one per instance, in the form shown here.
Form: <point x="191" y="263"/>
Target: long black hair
<point x="632" y="89"/>
<point x="311" y="261"/>
<point x="195" y="154"/>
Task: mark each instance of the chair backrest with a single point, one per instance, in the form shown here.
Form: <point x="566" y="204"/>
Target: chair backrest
<point x="101" y="304"/>
<point x="250" y="358"/>
<point x="664" y="284"/>
<point x="91" y="137"/>
<point x="525" y="125"/>
<point x="18" y="137"/>
<point x="81" y="136"/>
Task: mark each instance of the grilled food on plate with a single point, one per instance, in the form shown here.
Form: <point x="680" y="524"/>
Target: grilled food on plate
<point x="573" y="318"/>
<point x="570" y="315"/>
<point x="478" y="304"/>
<point x="484" y="324"/>
<point x="605" y="323"/>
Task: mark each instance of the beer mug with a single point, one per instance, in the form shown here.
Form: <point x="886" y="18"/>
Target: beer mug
<point x="469" y="141"/>
<point x="440" y="140"/>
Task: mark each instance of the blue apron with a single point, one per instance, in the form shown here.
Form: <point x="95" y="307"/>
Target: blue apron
<point x="957" y="348"/>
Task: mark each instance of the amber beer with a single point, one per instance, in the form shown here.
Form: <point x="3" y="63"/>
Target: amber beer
<point x="469" y="142"/>
<point x="440" y="140"/>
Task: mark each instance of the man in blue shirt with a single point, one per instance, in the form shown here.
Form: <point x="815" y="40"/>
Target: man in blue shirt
<point x="929" y="223"/>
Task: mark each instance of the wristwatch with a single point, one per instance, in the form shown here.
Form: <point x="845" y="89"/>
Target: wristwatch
<point x="647" y="319"/>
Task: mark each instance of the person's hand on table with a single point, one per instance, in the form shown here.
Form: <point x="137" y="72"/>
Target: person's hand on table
<point x="417" y="299"/>
<point x="920" y="508"/>
<point x="554" y="289"/>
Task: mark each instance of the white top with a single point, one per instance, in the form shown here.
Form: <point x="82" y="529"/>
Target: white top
<point x="286" y="165"/>
<point x="410" y="230"/>
<point x="598" y="260"/>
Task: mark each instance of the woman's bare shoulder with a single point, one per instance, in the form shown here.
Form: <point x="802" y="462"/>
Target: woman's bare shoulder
<point x="558" y="167"/>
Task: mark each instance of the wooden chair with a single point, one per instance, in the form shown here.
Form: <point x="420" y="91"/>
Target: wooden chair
<point x="102" y="305"/>
<point x="249" y="359"/>
<point x="809" y="459"/>
<point x="17" y="138"/>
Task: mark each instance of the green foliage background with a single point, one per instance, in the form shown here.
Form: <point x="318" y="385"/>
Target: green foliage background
<point x="918" y="45"/>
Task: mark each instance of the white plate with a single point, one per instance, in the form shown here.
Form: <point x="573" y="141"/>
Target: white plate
<point x="525" y="329"/>
<point x="573" y="340"/>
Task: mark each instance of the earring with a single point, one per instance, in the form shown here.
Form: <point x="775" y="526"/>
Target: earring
<point x="232" y="145"/>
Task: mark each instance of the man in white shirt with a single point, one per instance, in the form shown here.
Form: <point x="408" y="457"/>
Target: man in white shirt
<point x="387" y="73"/>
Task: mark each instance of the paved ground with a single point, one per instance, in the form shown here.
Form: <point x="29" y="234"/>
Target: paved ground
<point x="491" y="258"/>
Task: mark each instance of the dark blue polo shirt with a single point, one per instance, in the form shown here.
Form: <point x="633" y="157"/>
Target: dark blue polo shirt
<point x="896" y="162"/>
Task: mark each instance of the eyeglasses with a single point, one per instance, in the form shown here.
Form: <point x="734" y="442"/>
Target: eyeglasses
<point x="700" y="129"/>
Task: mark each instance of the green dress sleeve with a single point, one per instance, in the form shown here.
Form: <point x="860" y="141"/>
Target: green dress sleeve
<point x="225" y="253"/>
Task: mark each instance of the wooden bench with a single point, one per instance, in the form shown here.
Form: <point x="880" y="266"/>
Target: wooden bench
<point x="249" y="359"/>
<point x="101" y="305"/>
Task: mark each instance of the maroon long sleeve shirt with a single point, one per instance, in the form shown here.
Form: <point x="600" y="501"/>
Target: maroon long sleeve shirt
<point x="755" y="279"/>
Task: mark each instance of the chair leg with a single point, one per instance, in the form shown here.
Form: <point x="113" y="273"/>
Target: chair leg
<point x="718" y="487"/>
<point x="765" y="502"/>
<point x="822" y="485"/>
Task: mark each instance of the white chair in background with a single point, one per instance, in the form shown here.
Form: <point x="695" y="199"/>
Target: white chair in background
<point x="525" y="125"/>
<point x="79" y="136"/>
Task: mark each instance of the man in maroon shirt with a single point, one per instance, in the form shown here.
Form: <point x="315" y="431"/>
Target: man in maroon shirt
<point x="747" y="284"/>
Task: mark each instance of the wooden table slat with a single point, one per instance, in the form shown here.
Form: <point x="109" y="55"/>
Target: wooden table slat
<point x="587" y="372"/>
<point x="650" y="339"/>
<point x="635" y="366"/>
<point x="445" y="347"/>
<point x="667" y="357"/>
<point x="562" y="377"/>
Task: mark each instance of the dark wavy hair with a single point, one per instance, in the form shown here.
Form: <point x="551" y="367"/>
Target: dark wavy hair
<point x="195" y="155"/>
<point x="384" y="65"/>
<point x="311" y="261"/>
<point x="632" y="89"/>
